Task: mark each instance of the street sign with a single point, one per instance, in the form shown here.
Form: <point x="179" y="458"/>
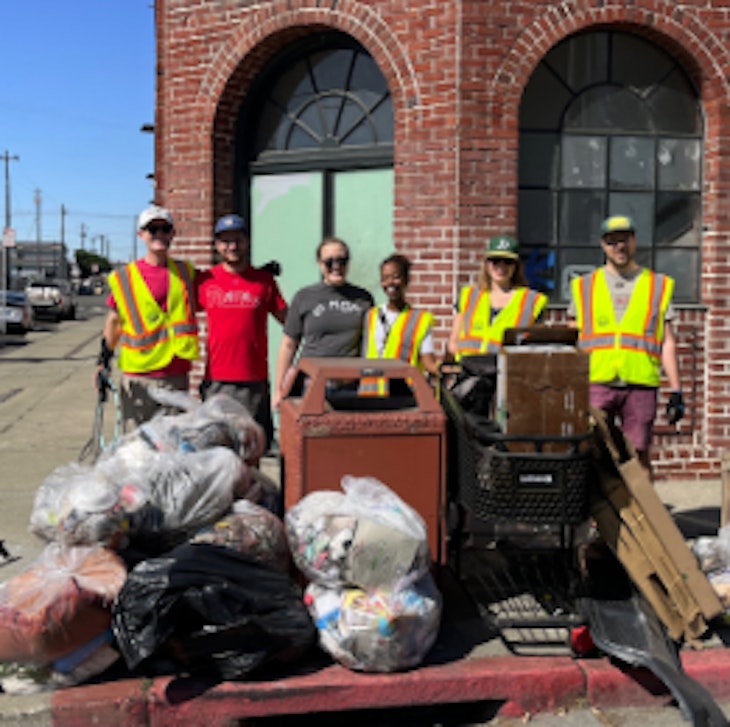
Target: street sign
<point x="9" y="237"/>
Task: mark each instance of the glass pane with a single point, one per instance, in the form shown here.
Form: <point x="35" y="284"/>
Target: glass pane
<point x="583" y="162"/>
<point x="294" y="88"/>
<point x="684" y="267"/>
<point x="608" y="107"/>
<point x="675" y="107"/>
<point x="330" y="69"/>
<point x="581" y="214"/>
<point x="679" y="163"/>
<point x="581" y="60"/>
<point x="301" y="138"/>
<point x="383" y="119"/>
<point x="640" y="206"/>
<point x="307" y="130"/>
<point x="272" y="129"/>
<point x="539" y="266"/>
<point x="677" y="219"/>
<point x="535" y="224"/>
<point x="631" y="163"/>
<point x="363" y="217"/>
<point x="355" y="126"/>
<point x="637" y="63"/>
<point x="286" y="225"/>
<point x="543" y="101"/>
<point x="573" y="262"/>
<point x="538" y="159"/>
<point x="366" y="76"/>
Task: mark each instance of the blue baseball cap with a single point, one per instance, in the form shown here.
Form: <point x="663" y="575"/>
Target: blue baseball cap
<point x="230" y="223"/>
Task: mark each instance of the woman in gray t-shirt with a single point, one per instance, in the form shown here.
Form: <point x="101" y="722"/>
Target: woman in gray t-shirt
<point x="326" y="318"/>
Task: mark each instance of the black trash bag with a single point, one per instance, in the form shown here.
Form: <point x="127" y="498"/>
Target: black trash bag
<point x="207" y="609"/>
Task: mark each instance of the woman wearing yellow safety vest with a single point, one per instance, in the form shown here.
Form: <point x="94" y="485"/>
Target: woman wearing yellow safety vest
<point x="501" y="300"/>
<point x="394" y="329"/>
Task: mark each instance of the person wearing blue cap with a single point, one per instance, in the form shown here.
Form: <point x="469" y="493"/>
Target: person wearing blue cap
<point x="624" y="315"/>
<point x="238" y="298"/>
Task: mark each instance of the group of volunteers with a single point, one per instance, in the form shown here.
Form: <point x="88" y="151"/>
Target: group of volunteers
<point x="622" y="310"/>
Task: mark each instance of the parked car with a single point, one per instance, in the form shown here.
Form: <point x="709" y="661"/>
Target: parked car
<point x="16" y="311"/>
<point x="52" y="299"/>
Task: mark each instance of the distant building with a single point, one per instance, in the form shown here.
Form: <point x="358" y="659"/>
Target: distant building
<point x="37" y="261"/>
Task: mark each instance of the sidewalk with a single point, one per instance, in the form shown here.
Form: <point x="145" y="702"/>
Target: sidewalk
<point x="46" y="413"/>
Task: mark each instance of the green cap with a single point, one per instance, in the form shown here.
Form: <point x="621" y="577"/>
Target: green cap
<point x="617" y="223"/>
<point x="502" y="246"/>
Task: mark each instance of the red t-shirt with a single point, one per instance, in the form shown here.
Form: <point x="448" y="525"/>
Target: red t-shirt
<point x="237" y="305"/>
<point x="157" y="279"/>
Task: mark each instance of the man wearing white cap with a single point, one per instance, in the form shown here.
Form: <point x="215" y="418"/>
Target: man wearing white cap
<point x="238" y="299"/>
<point x="624" y="314"/>
<point x="151" y="320"/>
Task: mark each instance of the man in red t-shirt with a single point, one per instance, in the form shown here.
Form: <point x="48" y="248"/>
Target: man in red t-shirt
<point x="238" y="298"/>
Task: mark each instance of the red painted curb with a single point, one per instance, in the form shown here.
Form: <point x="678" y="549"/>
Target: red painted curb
<point x="518" y="685"/>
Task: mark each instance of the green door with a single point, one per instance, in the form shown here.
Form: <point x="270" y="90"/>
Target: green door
<point x="288" y="213"/>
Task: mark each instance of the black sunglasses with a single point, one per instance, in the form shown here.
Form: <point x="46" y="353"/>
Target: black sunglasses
<point x="164" y="227"/>
<point x="330" y="262"/>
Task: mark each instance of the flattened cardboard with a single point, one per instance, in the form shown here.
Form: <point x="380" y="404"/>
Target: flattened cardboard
<point x="631" y="555"/>
<point x="640" y="486"/>
<point x="661" y="569"/>
<point x="542" y="390"/>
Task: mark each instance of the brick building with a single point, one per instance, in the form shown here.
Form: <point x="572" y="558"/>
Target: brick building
<point x="428" y="126"/>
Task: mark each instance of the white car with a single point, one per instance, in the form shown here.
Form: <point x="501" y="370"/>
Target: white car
<point x="16" y="311"/>
<point x="55" y="299"/>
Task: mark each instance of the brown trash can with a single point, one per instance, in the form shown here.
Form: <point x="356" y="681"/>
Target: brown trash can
<point x="328" y="432"/>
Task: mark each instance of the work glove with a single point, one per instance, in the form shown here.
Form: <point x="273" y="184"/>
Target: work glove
<point x="675" y="407"/>
<point x="273" y="267"/>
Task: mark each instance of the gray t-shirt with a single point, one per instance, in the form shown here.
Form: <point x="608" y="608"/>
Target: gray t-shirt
<point x="328" y="319"/>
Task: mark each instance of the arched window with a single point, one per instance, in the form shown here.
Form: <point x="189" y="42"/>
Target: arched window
<point x="609" y="124"/>
<point x="322" y="103"/>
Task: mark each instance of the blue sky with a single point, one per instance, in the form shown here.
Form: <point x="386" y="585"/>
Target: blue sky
<point x="78" y="82"/>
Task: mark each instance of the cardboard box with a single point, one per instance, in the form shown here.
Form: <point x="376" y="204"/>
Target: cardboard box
<point x="542" y="390"/>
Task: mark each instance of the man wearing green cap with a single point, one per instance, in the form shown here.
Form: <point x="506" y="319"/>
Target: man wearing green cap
<point x="624" y="314"/>
<point x="501" y="300"/>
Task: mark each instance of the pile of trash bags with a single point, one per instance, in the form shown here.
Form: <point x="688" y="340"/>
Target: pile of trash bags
<point x="713" y="556"/>
<point x="169" y="554"/>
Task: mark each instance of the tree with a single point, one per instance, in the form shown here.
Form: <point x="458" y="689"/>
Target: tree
<point x="91" y="264"/>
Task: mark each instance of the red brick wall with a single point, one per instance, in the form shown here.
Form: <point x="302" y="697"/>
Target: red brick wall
<point x="456" y="72"/>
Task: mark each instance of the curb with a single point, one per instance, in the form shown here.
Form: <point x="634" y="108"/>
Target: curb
<point x="517" y="686"/>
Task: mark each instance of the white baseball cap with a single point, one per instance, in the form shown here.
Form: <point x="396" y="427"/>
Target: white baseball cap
<point x="153" y="213"/>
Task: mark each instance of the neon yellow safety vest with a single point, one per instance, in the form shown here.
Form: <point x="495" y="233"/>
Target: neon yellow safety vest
<point x="629" y="349"/>
<point x="403" y="342"/>
<point x="477" y="335"/>
<point x="150" y="337"/>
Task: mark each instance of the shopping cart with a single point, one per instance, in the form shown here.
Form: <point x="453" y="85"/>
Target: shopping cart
<point x="516" y="505"/>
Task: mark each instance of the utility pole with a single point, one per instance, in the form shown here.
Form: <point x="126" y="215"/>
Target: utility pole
<point x="7" y="158"/>
<point x="62" y="244"/>
<point x="83" y="236"/>
<point x="38" y="199"/>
